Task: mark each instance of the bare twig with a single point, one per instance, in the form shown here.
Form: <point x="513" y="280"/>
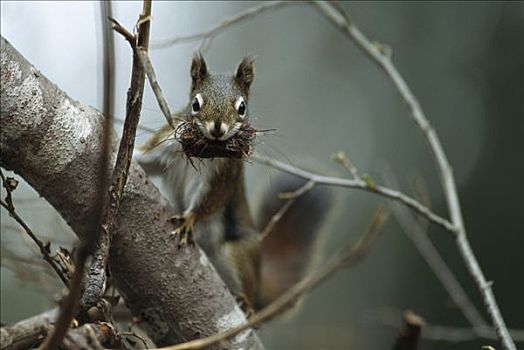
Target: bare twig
<point x="416" y="231"/>
<point x="150" y="72"/>
<point x="9" y="206"/>
<point x="383" y="59"/>
<point x="43" y="249"/>
<point x="347" y="258"/>
<point x="409" y="335"/>
<point x="291" y="199"/>
<point x="451" y="333"/>
<point x="130" y="37"/>
<point x="461" y="334"/>
<point x="207" y="35"/>
<point x="360" y="184"/>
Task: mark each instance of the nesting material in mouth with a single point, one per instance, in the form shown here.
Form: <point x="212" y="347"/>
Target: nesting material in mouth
<point x="195" y="144"/>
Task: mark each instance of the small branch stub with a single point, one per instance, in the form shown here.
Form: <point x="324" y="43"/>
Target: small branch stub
<point x="409" y="335"/>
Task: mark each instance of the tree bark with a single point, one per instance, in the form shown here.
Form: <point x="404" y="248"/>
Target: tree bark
<point x="29" y="333"/>
<point x="54" y="143"/>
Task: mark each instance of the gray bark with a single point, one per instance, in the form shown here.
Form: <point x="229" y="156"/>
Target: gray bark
<point x="54" y="143"/>
<point x="29" y="333"/>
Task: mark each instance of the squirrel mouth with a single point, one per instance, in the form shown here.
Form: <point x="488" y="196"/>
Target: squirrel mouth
<point x="196" y="144"/>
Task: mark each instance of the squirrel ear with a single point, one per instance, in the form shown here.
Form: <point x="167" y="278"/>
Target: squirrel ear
<point x="245" y="72"/>
<point x="198" y="68"/>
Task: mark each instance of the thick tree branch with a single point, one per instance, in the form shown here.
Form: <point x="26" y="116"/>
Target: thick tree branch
<point x="54" y="143"/>
<point x="30" y="332"/>
<point x="382" y="57"/>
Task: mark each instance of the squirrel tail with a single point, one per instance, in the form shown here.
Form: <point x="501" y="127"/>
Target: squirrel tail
<point x="289" y="250"/>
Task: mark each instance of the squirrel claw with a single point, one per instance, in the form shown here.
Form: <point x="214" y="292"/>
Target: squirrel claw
<point x="245" y="305"/>
<point x="184" y="231"/>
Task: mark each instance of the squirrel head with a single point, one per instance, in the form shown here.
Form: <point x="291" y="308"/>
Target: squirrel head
<point x="219" y="102"/>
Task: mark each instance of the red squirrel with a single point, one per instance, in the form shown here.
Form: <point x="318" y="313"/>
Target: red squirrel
<point x="210" y="201"/>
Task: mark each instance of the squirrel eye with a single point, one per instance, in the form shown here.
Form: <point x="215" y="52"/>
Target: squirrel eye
<point x="196" y="105"/>
<point x="240" y="106"/>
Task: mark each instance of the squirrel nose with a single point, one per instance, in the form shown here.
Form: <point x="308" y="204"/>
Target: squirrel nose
<point x="217" y="130"/>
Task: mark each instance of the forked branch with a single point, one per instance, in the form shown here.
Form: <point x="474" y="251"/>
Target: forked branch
<point x="382" y="58"/>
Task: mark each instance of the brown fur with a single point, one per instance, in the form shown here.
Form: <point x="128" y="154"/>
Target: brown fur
<point x="256" y="272"/>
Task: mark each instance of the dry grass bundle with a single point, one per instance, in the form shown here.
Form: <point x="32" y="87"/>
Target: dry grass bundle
<point x="195" y="144"/>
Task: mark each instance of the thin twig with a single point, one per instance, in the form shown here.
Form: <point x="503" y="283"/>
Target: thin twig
<point x="357" y="184"/>
<point x="10" y="184"/>
<point x="460" y="334"/>
<point x="416" y="232"/>
<point x="347" y="258"/>
<point x="222" y="25"/>
<point x="150" y="72"/>
<point x="291" y="198"/>
<point x="452" y="334"/>
<point x="117" y="27"/>
<point x="43" y="249"/>
<point x="383" y="59"/>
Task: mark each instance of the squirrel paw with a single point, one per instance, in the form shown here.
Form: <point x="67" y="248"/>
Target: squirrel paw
<point x="245" y="305"/>
<point x="184" y="231"/>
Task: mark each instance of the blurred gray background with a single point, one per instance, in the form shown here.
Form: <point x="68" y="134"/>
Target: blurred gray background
<point x="465" y="63"/>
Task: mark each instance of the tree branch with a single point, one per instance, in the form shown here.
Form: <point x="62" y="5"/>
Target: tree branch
<point x="155" y="86"/>
<point x="9" y="206"/>
<point x="227" y="22"/>
<point x="452" y="334"/>
<point x="30" y="332"/>
<point x="382" y="58"/>
<point x="357" y="183"/>
<point x="291" y="198"/>
<point x="348" y="257"/>
<point x="55" y="144"/>
<point x="416" y="231"/>
<point x="461" y="334"/>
